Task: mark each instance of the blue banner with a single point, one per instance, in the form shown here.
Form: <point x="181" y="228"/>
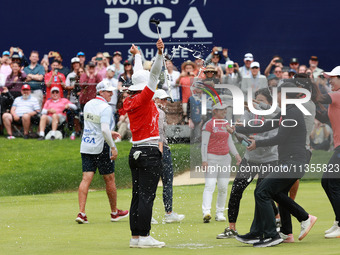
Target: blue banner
<point x="264" y="28"/>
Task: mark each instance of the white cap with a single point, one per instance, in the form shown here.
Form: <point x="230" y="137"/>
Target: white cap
<point x="139" y="80"/>
<point x="75" y="60"/>
<point x="219" y="106"/>
<point x="161" y="94"/>
<point x="228" y="63"/>
<point x="111" y="68"/>
<point x="255" y="64"/>
<point x="334" y="72"/>
<point x="248" y="56"/>
<point x="104" y="85"/>
<point x="55" y="89"/>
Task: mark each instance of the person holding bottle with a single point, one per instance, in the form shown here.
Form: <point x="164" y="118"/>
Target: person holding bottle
<point x="260" y="157"/>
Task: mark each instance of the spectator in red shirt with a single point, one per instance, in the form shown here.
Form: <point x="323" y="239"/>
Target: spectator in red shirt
<point x="88" y="82"/>
<point x="54" y="79"/>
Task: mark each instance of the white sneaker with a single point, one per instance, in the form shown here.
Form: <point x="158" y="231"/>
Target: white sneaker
<point x="220" y="217"/>
<point x="149" y="242"/>
<point x="206" y="218"/>
<point x="334" y="234"/>
<point x="153" y="221"/>
<point x="134" y="242"/>
<point x="306" y="226"/>
<point x="173" y="217"/>
<point x="333" y="228"/>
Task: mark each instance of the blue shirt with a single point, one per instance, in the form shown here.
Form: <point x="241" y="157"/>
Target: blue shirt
<point x="38" y="69"/>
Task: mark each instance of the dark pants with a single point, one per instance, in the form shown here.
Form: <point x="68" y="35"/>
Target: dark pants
<point x="167" y="178"/>
<point x="286" y="220"/>
<point x="275" y="186"/>
<point x="331" y="182"/>
<point x="241" y="182"/>
<point x="145" y="171"/>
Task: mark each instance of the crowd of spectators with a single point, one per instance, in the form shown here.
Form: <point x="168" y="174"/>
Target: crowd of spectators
<point x="77" y="84"/>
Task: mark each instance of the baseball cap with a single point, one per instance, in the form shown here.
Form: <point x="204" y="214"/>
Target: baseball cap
<point x="315" y="58"/>
<point x="104" y="85"/>
<point x="255" y="64"/>
<point x="55" y="89"/>
<point x="249" y="57"/>
<point x="6" y="53"/>
<point x="229" y="64"/>
<point x="111" y="68"/>
<point x="219" y="106"/>
<point x="127" y="62"/>
<point x="161" y="94"/>
<point x="80" y="53"/>
<point x="15" y="55"/>
<point x="272" y="77"/>
<point x="334" y="72"/>
<point x="291" y="71"/>
<point x="75" y="60"/>
<point x="26" y="86"/>
<point x="106" y="55"/>
<point x="294" y="60"/>
<point x="91" y="63"/>
<point x="117" y="53"/>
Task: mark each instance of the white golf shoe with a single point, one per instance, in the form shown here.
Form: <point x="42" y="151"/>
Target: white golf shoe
<point x="173" y="217"/>
<point x="333" y="228"/>
<point x="149" y="242"/>
<point x="134" y="242"/>
<point x="334" y="234"/>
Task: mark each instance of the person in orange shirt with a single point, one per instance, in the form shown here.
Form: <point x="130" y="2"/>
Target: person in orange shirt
<point x="185" y="80"/>
<point x="331" y="178"/>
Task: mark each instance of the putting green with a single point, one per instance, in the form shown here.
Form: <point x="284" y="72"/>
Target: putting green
<point x="44" y="224"/>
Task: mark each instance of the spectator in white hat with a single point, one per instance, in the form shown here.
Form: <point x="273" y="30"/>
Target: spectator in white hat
<point x="245" y="70"/>
<point x="255" y="80"/>
<point x="110" y="74"/>
<point x="232" y="75"/>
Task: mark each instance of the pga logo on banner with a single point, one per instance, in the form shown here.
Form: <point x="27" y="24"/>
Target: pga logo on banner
<point x="122" y="18"/>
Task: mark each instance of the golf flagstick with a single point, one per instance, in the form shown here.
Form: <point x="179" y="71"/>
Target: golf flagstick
<point x="166" y="74"/>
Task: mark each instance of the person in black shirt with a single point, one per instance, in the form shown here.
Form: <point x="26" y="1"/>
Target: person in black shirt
<point x="291" y="140"/>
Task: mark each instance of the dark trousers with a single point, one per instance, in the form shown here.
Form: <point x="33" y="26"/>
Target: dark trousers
<point x="331" y="182"/>
<point x="286" y="220"/>
<point x="145" y="171"/>
<point x="241" y="182"/>
<point x="167" y="178"/>
<point x="275" y="186"/>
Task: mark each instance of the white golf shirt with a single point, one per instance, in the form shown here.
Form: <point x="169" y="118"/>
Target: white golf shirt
<point x="96" y="112"/>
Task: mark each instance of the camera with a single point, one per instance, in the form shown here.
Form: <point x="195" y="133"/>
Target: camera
<point x="99" y="59"/>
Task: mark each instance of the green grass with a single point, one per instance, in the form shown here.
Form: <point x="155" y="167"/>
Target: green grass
<point x="39" y="167"/>
<point x="44" y="224"/>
